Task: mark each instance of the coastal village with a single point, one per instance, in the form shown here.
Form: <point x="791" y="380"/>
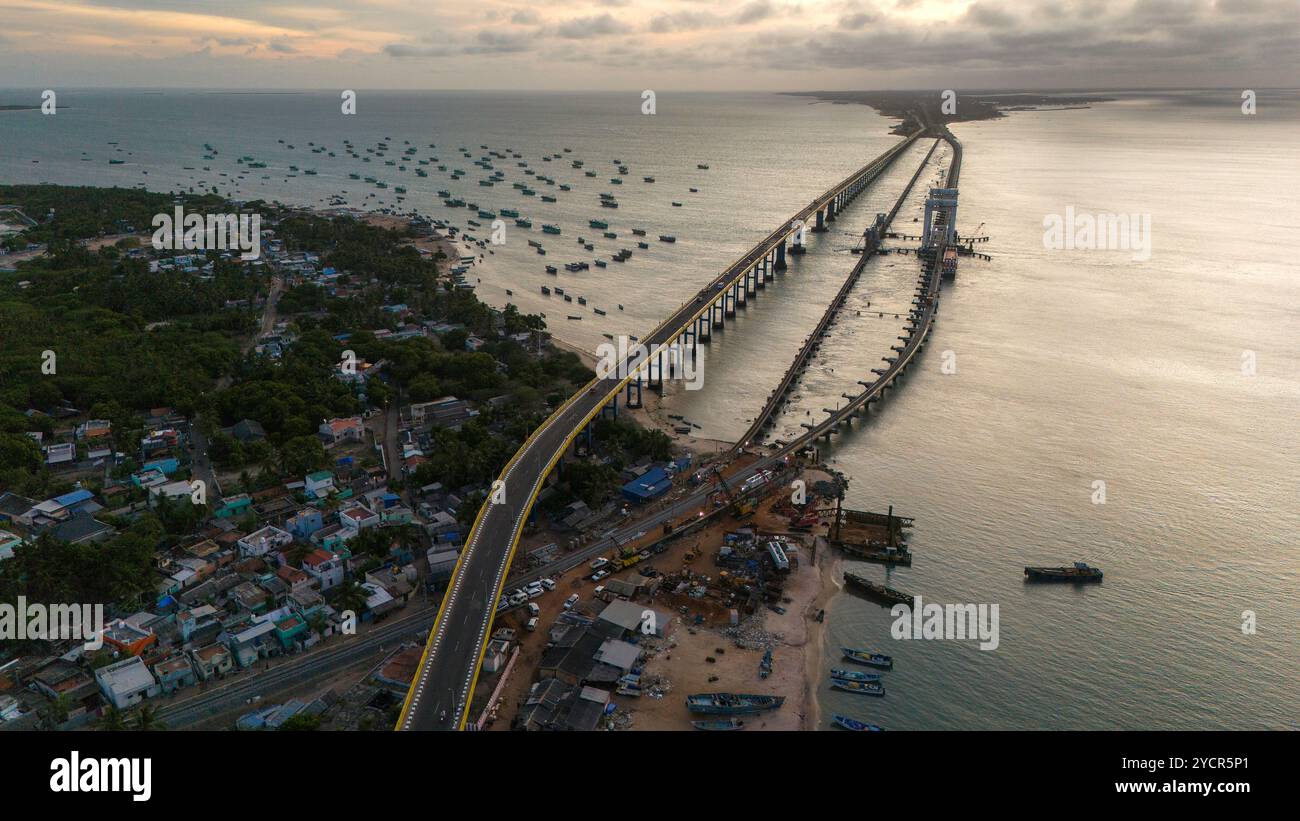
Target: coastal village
<point x="269" y="576"/>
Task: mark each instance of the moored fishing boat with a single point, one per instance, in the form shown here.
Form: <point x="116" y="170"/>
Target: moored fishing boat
<point x="1080" y="572"/>
<point x="854" y="675"/>
<point x="863" y="688"/>
<point x="868" y="658"/>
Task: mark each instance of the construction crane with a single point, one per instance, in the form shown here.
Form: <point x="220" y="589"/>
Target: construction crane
<point x="740" y="508"/>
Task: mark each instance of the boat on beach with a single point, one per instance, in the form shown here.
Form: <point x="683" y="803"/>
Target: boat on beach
<point x="721" y="724"/>
<point x="847" y="723"/>
<point x="878" y="660"/>
<point x="732" y="703"/>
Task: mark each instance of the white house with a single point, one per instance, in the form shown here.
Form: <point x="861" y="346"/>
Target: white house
<point x="269" y="539"/>
<point x="126" y="683"/>
<point x="358" y="517"/>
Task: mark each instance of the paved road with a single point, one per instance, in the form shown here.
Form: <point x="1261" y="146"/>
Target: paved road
<point x="441" y="691"/>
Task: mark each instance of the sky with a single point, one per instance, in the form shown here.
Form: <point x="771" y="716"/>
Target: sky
<point x="778" y="45"/>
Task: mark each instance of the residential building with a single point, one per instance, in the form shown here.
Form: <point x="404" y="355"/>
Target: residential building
<point x="126" y="683"/>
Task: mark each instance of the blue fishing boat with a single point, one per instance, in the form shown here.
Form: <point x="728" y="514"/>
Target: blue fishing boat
<point x="721" y="724"/>
<point x="854" y="675"/>
<point x="847" y="723"/>
<point x="732" y="703"/>
<point x="869" y="658"/>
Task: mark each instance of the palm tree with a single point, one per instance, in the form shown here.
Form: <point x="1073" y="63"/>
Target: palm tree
<point x="147" y="719"/>
<point x="350" y="596"/>
<point x="112" y="720"/>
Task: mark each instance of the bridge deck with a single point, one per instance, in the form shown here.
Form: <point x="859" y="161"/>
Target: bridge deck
<point x="443" y="685"/>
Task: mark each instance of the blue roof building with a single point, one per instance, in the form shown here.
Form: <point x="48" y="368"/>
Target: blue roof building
<point x="654" y="482"/>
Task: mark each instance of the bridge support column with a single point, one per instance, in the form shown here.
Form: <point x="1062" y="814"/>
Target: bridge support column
<point x="821" y="223"/>
<point x="780" y="257"/>
<point x="728" y="303"/>
<point x="627" y="399"/>
<point x="740" y="291"/>
<point x="702" y="326"/>
<point x="760" y="276"/>
<point x="717" y="313"/>
<point x="796" y="247"/>
<point x="831" y="208"/>
<point x="769" y="262"/>
<point x="610" y="408"/>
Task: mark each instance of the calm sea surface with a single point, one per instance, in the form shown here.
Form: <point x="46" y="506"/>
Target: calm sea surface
<point x="1072" y="367"/>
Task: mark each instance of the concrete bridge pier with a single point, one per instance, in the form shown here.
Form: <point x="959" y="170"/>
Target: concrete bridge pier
<point x="796" y="247"/>
<point x="769" y="262"/>
<point x="716" y="314"/>
<point x="728" y="303"/>
<point x="832" y="207"/>
<point x="628" y="401"/>
<point x="610" y="408"/>
<point x="780" y="257"/>
<point x="740" y="291"/>
<point x="702" y="328"/>
<point x="820" y="227"/>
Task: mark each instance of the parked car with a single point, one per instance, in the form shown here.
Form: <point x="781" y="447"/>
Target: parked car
<point x="531" y="626"/>
<point x="549" y="584"/>
<point x="570" y="602"/>
<point x="534" y="610"/>
<point x="600" y="574"/>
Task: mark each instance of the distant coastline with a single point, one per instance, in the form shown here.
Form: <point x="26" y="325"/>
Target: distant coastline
<point x="982" y="106"/>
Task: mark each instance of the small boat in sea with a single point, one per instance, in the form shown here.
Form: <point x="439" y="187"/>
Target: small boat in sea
<point x="878" y="660"/>
<point x="702" y="166"/>
<point x="571" y="316"/>
<point x="879" y="592"/>
<point x="551" y="229"/>
<point x="640" y="232"/>
<point x="601" y="224"/>
<point x="721" y="724"/>
<point x="677" y="205"/>
<point x="597" y="312"/>
<point x="551" y="269"/>
<point x="546" y="291"/>
<point x="847" y="723"/>
<point x="854" y="675"/>
<point x="732" y="703"/>
<point x="648" y="179"/>
<point x="862" y="688"/>
<point x="667" y="238"/>
<point x="1080" y="572"/>
<point x="524" y="222"/>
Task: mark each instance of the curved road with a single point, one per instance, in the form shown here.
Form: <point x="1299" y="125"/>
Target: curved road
<point x="440" y="694"/>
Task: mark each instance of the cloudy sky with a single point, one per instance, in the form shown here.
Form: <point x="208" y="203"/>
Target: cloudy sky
<point x="660" y="44"/>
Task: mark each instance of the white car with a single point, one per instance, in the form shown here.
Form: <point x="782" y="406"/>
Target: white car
<point x="531" y="625"/>
<point x="600" y="574"/>
<point x="597" y="564"/>
<point x="549" y="584"/>
<point x="570" y="602"/>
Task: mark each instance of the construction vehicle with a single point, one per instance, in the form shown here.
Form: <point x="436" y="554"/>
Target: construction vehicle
<point x="740" y="508"/>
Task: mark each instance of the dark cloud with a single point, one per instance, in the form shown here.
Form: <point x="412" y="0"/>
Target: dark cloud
<point x="583" y="28"/>
<point x="754" y="11"/>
